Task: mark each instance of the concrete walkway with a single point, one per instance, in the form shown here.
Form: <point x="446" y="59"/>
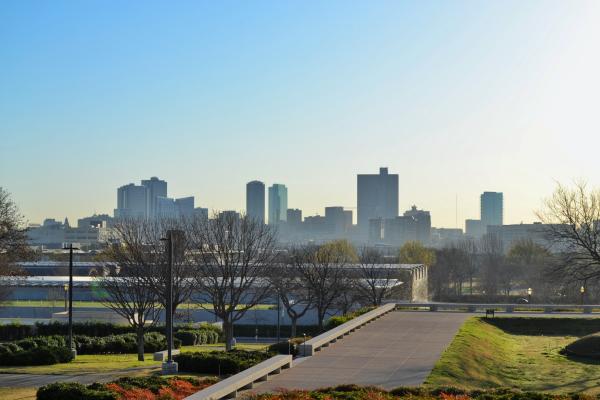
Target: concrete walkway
<point x="400" y="349"/>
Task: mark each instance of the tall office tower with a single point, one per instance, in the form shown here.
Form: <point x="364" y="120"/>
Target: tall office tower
<point x="131" y="202"/>
<point x="255" y="200"/>
<point x="335" y="220"/>
<point x="492" y="209"/>
<point x="348" y="219"/>
<point x="377" y="197"/>
<point x="277" y="204"/>
<point x="422" y="222"/>
<point x="200" y="212"/>
<point x="156" y="188"/>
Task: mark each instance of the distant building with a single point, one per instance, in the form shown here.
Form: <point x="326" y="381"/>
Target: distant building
<point x="537" y="232"/>
<point x="155" y="188"/>
<point x="376" y="230"/>
<point x="315" y="226"/>
<point x="474" y="228"/>
<point x="95" y="221"/>
<point x="441" y="237"/>
<point x="255" y="200"/>
<point x="201" y="213"/>
<point x="348" y="220"/>
<point x="377" y="197"/>
<point x="278" y="201"/>
<point x="167" y="207"/>
<point x="422" y="221"/>
<point x="294" y="219"/>
<point x="335" y="219"/>
<point x="229" y="214"/>
<point x="131" y="202"/>
<point x="492" y="209"/>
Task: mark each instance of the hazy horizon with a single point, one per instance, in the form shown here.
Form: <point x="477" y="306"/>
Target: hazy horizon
<point x="457" y="98"/>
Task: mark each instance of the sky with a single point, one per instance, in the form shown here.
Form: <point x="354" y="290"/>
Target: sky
<point x="457" y="97"/>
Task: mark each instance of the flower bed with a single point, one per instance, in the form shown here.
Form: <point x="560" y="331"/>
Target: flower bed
<point x="144" y="388"/>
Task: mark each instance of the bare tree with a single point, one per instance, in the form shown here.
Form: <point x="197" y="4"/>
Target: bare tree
<point x="573" y="220"/>
<point x="375" y="282"/>
<point x="129" y="293"/>
<point x="469" y="249"/>
<point x="322" y="271"/>
<point x="297" y="298"/>
<point x="13" y="244"/>
<point x="492" y="261"/>
<point x="231" y="257"/>
<point x="143" y="244"/>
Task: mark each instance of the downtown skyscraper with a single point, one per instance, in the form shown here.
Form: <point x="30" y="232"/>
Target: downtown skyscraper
<point x="255" y="200"/>
<point x="278" y="204"/>
<point x="377" y="197"/>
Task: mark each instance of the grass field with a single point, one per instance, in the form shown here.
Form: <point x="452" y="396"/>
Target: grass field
<point x="11" y="393"/>
<point x="521" y="354"/>
<point x="86" y="364"/>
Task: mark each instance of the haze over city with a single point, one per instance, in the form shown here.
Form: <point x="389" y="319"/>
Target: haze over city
<point x="456" y="98"/>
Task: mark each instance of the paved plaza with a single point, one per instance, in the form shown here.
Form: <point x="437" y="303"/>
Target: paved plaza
<point x="400" y="349"/>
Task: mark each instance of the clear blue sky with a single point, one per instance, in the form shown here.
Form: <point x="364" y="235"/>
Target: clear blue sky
<point x="457" y="97"/>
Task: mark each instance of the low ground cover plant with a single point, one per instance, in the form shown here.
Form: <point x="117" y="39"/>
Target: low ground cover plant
<point x="220" y="362"/>
<point x="353" y="392"/>
<point x="146" y="388"/>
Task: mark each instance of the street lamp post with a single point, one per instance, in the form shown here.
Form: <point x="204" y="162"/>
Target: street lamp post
<point x="170" y="366"/>
<point x="582" y="291"/>
<point x="66" y="288"/>
<point x="71" y="347"/>
<point x="529" y="292"/>
<point x="278" y="318"/>
<point x="304" y="345"/>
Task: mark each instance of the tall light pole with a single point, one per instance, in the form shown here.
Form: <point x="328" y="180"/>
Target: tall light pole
<point x="278" y="318"/>
<point x="582" y="291"/>
<point x="71" y="347"/>
<point x="170" y="366"/>
<point x="529" y="292"/>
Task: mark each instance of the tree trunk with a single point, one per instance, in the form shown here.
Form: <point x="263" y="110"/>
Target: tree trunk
<point x="293" y="327"/>
<point x="140" y="343"/>
<point x="228" y="332"/>
<point x="321" y="316"/>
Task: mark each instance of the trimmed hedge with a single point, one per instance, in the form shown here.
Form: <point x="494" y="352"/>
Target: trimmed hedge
<point x="16" y="331"/>
<point x="122" y="344"/>
<point x="197" y="337"/>
<point x="342" y="319"/>
<point x="243" y="330"/>
<point x="220" y="362"/>
<point x="38" y="355"/>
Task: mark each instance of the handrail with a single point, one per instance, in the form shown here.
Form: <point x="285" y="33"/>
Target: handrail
<point x="228" y="388"/>
<point x="331" y="336"/>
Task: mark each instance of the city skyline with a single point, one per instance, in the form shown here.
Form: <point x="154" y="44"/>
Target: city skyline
<point x="456" y="98"/>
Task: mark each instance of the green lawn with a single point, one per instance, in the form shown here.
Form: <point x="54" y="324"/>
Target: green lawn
<point x="486" y="355"/>
<point x="113" y="362"/>
<point x="17" y="393"/>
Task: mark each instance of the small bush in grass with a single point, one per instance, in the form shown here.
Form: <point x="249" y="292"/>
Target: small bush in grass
<point x="220" y="362"/>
